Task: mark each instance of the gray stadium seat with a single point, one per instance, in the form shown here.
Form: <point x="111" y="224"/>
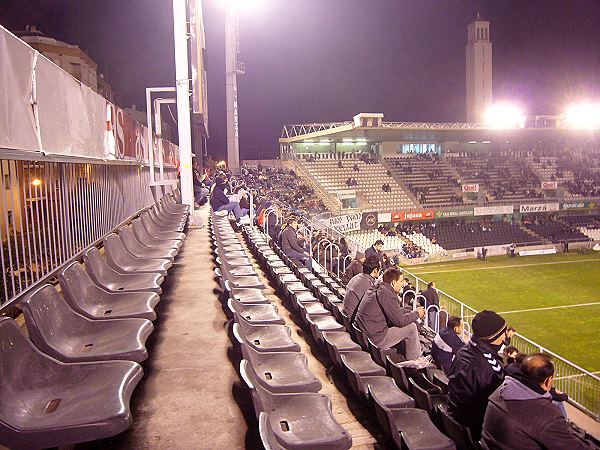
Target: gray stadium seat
<point x="60" y="332"/>
<point x="295" y="421"/>
<point x="249" y="296"/>
<point x="148" y="240"/>
<point x="359" y="364"/>
<point x="105" y="276"/>
<point x="159" y="233"/>
<point x="281" y="372"/>
<point x="319" y="324"/>
<point x="46" y="403"/>
<point x="90" y="300"/>
<point x="122" y="261"/>
<point x="338" y="342"/>
<point x="136" y="248"/>
<point x="265" y="338"/>
<point x="255" y="314"/>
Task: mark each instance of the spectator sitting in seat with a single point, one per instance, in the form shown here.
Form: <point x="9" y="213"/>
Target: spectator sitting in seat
<point x="520" y="413"/>
<point x="358" y="285"/>
<point x="384" y="321"/>
<point x="289" y="243"/>
<point x="354" y="268"/>
<point x="448" y="342"/>
<point x="220" y="202"/>
<point x="432" y="298"/>
<point x="476" y="371"/>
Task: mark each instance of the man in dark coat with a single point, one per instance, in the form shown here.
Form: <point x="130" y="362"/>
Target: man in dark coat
<point x="354" y="268"/>
<point x="447" y="343"/>
<point x="375" y="250"/>
<point x="289" y="243"/>
<point x="520" y="413"/>
<point x="220" y="202"/>
<point x="432" y="298"/>
<point x="476" y="371"/>
<point x="359" y="284"/>
<point x="380" y="306"/>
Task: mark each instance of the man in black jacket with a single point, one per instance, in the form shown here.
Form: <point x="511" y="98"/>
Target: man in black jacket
<point x="432" y="298"/>
<point x="476" y="371"/>
<point x="359" y="284"/>
<point x="220" y="202"/>
<point x="289" y="243"/>
<point x="375" y="250"/>
<point x="520" y="413"/>
<point x="447" y="343"/>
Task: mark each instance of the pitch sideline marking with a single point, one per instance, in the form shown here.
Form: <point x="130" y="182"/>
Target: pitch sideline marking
<point x="550" y="307"/>
<point x="510" y="267"/>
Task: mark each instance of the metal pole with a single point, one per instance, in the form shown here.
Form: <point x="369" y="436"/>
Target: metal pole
<point x="158" y="123"/>
<point x="183" y="101"/>
<point x="231" y="71"/>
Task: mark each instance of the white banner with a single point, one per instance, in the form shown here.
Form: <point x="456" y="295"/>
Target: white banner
<point x="384" y="217"/>
<point x="470" y="187"/>
<point x="17" y="124"/>
<point x="349" y="222"/>
<point x="539" y="207"/>
<point x="492" y="210"/>
<point x="542" y="251"/>
<point x="548" y="185"/>
<point x="346" y="194"/>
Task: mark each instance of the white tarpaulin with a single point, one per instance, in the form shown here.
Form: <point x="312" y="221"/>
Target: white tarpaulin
<point x="539" y="207"/>
<point x="17" y="123"/>
<point x="72" y="116"/>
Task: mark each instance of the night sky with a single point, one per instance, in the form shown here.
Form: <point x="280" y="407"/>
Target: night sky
<point x="327" y="60"/>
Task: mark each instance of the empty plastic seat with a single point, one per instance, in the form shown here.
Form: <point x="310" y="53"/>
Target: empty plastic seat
<point x="122" y="261"/>
<point x="105" y="276"/>
<point x="337" y="343"/>
<point x="234" y="282"/>
<point x="249" y="296"/>
<point x="138" y="249"/>
<point x="90" y="300"/>
<point x="425" y="400"/>
<point x="387" y="392"/>
<point x="46" y="403"/>
<point x="319" y="324"/>
<point x="265" y="338"/>
<point x="155" y="231"/>
<point x="281" y="372"/>
<point x="60" y="332"/>
<point x="255" y="314"/>
<point x="150" y="241"/>
<point x="454" y="430"/>
<point x="357" y="364"/>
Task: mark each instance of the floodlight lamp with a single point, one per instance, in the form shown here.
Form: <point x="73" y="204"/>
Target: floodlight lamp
<point x="504" y="115"/>
<point x="36" y="182"/>
<point x="241" y="4"/>
<point x="583" y="115"/>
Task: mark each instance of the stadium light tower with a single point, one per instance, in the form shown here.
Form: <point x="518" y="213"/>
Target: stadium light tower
<point x="504" y="115"/>
<point x="583" y="115"/>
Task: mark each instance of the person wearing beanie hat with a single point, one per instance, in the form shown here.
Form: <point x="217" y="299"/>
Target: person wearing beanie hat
<point x="476" y="372"/>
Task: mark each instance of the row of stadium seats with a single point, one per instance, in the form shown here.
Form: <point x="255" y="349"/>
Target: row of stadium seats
<point x="285" y="394"/>
<point x="71" y="381"/>
<point x="316" y="299"/>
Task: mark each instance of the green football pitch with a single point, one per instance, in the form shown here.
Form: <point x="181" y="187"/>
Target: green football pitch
<point x="553" y="300"/>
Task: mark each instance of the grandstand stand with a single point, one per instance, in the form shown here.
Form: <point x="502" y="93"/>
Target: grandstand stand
<point x="555" y="230"/>
<point x="430" y="178"/>
<point x="453" y="235"/>
<point x="501" y="177"/>
<point x="369" y="180"/>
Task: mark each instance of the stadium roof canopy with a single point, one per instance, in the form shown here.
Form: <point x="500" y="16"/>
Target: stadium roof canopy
<point x="540" y="128"/>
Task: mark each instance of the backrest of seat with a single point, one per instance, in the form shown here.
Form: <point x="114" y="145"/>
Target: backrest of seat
<point x="21" y="366"/>
<point x="128" y="238"/>
<point x="453" y="429"/>
<point x="399" y="376"/>
<point x="139" y="228"/>
<point x="381" y="412"/>
<point x="421" y="396"/>
<point x="48" y="317"/>
<point x="115" y="250"/>
<point x="77" y="286"/>
<point x="96" y="265"/>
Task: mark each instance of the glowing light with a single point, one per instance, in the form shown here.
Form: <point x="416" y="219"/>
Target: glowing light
<point x="242" y="4"/>
<point x="347" y="140"/>
<point x="583" y="115"/>
<point x="36" y="182"/>
<point x="504" y="115"/>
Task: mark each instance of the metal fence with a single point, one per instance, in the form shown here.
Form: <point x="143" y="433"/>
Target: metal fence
<point x="582" y="386"/>
<point x="51" y="211"/>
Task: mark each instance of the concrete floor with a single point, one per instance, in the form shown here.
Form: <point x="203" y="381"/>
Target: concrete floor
<point x="186" y="399"/>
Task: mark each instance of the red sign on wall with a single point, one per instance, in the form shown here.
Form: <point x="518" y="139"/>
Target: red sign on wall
<point x="402" y="216"/>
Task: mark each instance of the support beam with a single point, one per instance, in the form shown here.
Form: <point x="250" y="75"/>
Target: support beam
<point x="182" y="80"/>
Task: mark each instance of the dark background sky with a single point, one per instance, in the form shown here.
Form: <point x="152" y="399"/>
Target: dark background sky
<point x="326" y="60"/>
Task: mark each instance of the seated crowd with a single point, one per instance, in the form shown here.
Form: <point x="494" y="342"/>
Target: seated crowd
<point x="504" y="403"/>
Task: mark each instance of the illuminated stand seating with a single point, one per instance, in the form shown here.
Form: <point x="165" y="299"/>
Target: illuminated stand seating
<point x="370" y="179"/>
<point x="393" y="244"/>
<point x="433" y="182"/>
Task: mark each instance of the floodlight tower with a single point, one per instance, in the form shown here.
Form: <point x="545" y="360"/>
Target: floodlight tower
<point x="479" y="70"/>
<point x="233" y="68"/>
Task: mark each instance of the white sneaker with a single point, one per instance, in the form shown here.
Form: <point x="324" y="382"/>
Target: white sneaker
<point x="221" y="213"/>
<point x="245" y="220"/>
